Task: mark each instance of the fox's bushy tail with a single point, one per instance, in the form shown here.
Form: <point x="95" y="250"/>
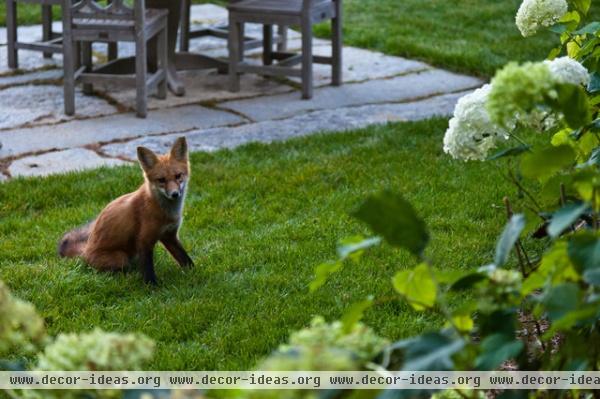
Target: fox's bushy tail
<point x="73" y="243"/>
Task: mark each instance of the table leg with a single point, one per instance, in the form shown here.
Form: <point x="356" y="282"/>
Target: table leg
<point x="174" y="7"/>
<point x="177" y="61"/>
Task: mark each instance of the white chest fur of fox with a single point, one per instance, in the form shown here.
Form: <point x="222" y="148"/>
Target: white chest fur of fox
<point x="130" y="226"/>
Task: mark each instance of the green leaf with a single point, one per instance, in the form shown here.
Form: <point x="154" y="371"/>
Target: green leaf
<point x="555" y="267"/>
<point x="570" y="319"/>
<point x="322" y="272"/>
<point x="592" y="276"/>
<point x="560" y="300"/>
<point x="565" y="217"/>
<point x="430" y="351"/>
<point x="582" y="6"/>
<point x="355" y="313"/>
<point x="594" y="85"/>
<point x="394" y="218"/>
<point x="12" y="365"/>
<point x="496" y="349"/>
<point x="593" y="160"/>
<point x="417" y="286"/>
<point x="468" y="281"/>
<point x="510" y="152"/>
<point x="573" y="103"/>
<point x="463" y="322"/>
<point x="544" y="163"/>
<point x="354" y="247"/>
<point x="558" y="28"/>
<point x="503" y="320"/>
<point x="584" y="251"/>
<point x="555" y="52"/>
<point x="592" y="27"/>
<point x="509" y="237"/>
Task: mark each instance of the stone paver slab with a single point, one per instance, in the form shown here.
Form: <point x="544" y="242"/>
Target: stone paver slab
<point x="114" y="127"/>
<point x="319" y="121"/>
<point x="60" y="162"/>
<point x="399" y="89"/>
<point x="28" y="60"/>
<point x="208" y="14"/>
<point x="29" y="33"/>
<point x="218" y="47"/>
<point x="43" y="104"/>
<point x="360" y="65"/>
<point x="205" y="86"/>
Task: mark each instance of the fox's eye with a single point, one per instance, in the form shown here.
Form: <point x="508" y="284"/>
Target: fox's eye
<point x="178" y="176"/>
<point x="162" y="180"/>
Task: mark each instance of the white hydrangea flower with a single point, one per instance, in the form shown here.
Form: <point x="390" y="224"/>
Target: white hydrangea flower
<point x="567" y="70"/>
<point x="534" y="14"/>
<point x="471" y="134"/>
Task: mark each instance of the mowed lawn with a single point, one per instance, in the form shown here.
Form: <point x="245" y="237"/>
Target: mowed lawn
<point x="258" y="220"/>
<point x="473" y="36"/>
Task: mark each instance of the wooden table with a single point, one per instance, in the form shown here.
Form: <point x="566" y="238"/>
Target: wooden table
<point x="178" y="61"/>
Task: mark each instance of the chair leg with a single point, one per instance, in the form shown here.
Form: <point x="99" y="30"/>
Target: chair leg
<point x="241" y="39"/>
<point x="11" y="33"/>
<point x="267" y="44"/>
<point x="307" y="59"/>
<point x="236" y="47"/>
<point x="69" y="76"/>
<point x="47" y="26"/>
<point x="86" y="54"/>
<point x="184" y="34"/>
<point x="162" y="54"/>
<point x="336" y="45"/>
<point x="141" y="71"/>
<point x="282" y="32"/>
<point x="113" y="51"/>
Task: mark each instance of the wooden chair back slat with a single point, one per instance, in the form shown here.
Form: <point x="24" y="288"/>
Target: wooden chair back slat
<point x="110" y="10"/>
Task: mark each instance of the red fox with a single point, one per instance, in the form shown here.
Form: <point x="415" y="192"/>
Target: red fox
<point x="131" y="225"/>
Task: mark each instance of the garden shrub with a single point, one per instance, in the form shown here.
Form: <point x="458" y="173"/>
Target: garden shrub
<point x="538" y="313"/>
<point x="543" y="313"/>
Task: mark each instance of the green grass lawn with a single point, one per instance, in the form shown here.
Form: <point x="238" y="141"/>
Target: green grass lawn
<point x="474" y="36"/>
<point x="257" y="221"/>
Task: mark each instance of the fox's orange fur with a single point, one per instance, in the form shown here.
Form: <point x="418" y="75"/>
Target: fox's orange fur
<point x="130" y="226"/>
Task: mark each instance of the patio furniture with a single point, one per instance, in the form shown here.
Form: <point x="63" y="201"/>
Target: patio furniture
<point x="88" y="21"/>
<point x="221" y="31"/>
<point x="50" y="42"/>
<point x="304" y="13"/>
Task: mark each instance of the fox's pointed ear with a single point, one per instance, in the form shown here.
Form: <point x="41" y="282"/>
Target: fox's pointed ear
<point x="147" y="158"/>
<point x="179" y="151"/>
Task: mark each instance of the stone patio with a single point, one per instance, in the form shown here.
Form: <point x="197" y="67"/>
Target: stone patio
<point x="37" y="138"/>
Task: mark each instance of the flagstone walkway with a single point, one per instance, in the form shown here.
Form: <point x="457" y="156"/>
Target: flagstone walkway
<point x="37" y="138"/>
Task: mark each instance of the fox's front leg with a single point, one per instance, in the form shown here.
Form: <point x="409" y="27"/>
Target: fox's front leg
<point x="173" y="245"/>
<point x="146" y="260"/>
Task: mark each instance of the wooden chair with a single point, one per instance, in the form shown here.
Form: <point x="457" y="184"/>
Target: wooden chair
<point x="221" y="31"/>
<point x="50" y="42"/>
<point x="304" y="13"/>
<point x="88" y="21"/>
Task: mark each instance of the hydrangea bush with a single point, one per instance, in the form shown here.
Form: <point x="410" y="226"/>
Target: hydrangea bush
<point x="534" y="15"/>
<point x="538" y="309"/>
<point x="21" y="329"/>
<point x="321" y="346"/>
<point x="22" y="333"/>
<point x="538" y="312"/>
